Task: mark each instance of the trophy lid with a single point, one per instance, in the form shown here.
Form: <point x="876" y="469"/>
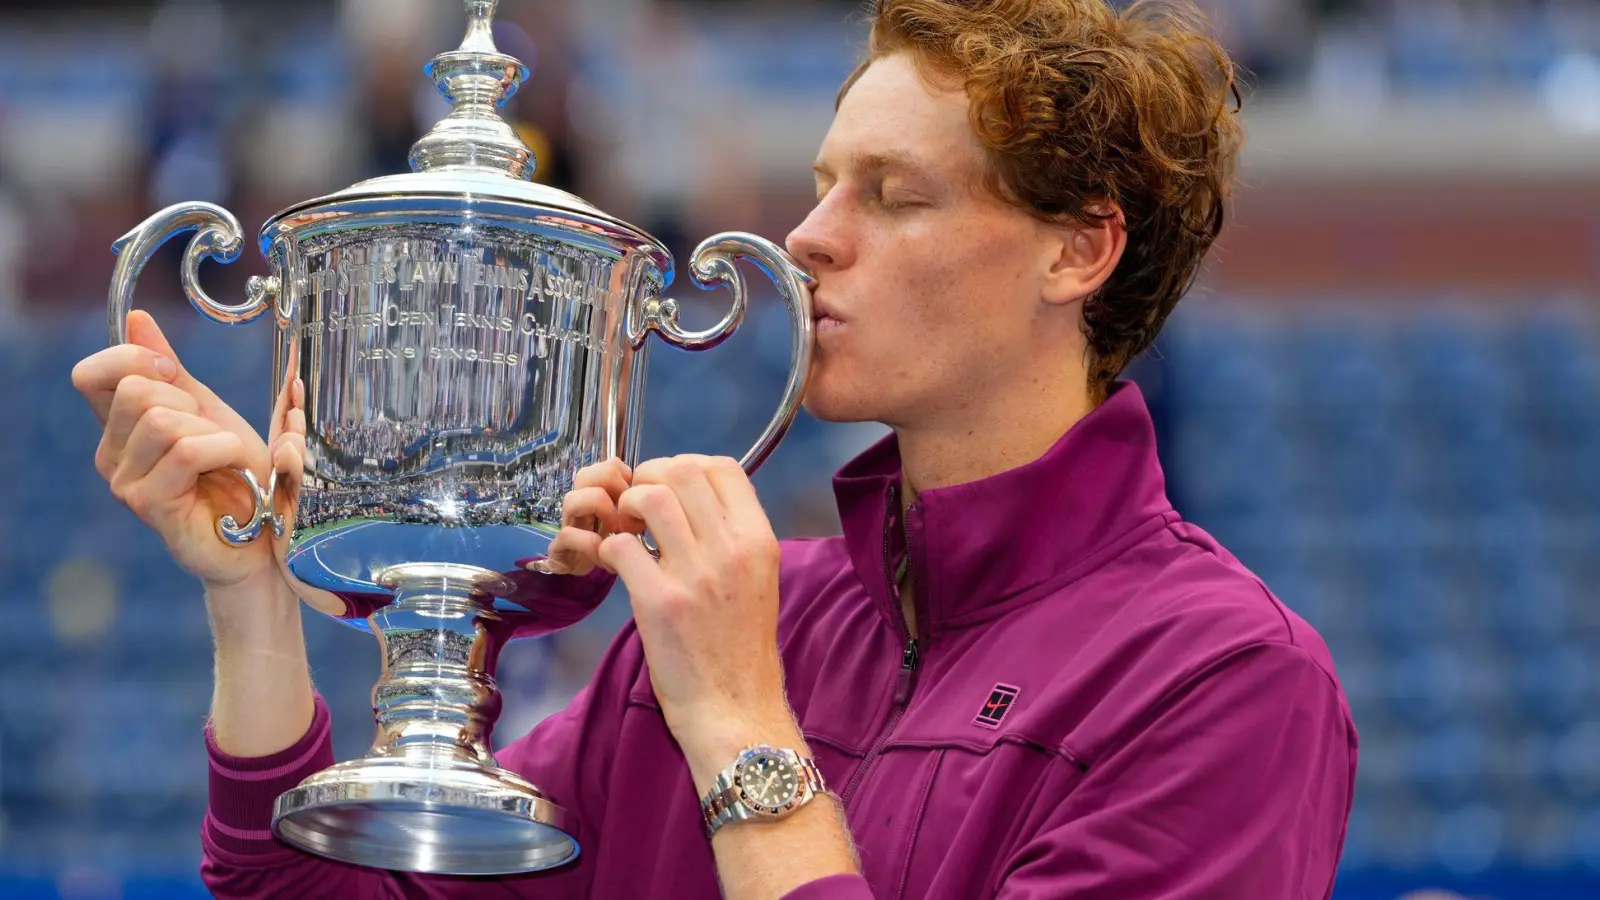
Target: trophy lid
<point x="473" y="151"/>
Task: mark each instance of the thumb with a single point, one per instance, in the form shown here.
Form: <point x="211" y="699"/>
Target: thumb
<point x="143" y="330"/>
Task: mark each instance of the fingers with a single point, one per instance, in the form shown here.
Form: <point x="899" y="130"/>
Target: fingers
<point x="592" y="503"/>
<point x="591" y="509"/>
<point x="749" y="529"/>
<point x="613" y="474"/>
<point x="685" y="478"/>
<point x="575" y="551"/>
<point x="148" y="355"/>
<point x="176" y="473"/>
<point x="144" y="332"/>
<point x="657" y="506"/>
<point x="289" y="460"/>
<point x="282" y="405"/>
<point x="733" y="486"/>
<point x="153" y="437"/>
<point x="135" y="396"/>
<point x="626" y="556"/>
<point x="96" y="377"/>
<point x="589" y="513"/>
<point x="291" y="423"/>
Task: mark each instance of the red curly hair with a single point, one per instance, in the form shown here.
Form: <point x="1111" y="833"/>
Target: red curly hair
<point x="1086" y="113"/>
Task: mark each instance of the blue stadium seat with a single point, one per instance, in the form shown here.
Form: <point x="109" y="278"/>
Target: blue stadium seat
<point x="1407" y="602"/>
<point x="1427" y="683"/>
<point x="1585" y="837"/>
<point x="1552" y="683"/>
<point x="1469" y="838"/>
<point x="1528" y="606"/>
<point x="1449" y="761"/>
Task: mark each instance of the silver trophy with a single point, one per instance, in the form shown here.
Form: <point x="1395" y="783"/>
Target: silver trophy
<point x="465" y="340"/>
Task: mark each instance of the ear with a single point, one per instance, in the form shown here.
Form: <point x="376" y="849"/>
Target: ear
<point x="1083" y="255"/>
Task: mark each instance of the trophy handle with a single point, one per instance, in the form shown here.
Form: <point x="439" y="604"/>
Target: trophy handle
<point x="715" y="263"/>
<point x="220" y="238"/>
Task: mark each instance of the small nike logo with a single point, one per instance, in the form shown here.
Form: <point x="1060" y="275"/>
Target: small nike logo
<point x="1000" y="702"/>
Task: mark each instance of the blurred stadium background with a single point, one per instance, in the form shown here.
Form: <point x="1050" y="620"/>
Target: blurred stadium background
<point x="1384" y="395"/>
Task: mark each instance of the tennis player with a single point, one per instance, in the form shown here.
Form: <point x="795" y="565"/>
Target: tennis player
<point x="1017" y="674"/>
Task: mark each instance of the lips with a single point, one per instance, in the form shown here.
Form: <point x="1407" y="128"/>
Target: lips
<point x="821" y="311"/>
<point x="824" y="321"/>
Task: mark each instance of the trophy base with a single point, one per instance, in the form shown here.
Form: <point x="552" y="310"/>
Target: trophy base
<point x="440" y="817"/>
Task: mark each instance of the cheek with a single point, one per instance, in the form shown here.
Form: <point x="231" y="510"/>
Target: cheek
<point x="937" y="314"/>
<point x="965" y="284"/>
<point x="938" y="299"/>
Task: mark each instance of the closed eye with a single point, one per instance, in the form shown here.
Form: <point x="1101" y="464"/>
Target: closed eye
<point x="898" y="199"/>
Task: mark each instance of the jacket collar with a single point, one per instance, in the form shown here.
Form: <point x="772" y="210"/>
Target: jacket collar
<point x="978" y="544"/>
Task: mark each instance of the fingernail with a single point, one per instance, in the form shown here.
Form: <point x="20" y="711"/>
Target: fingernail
<point x="165" y="367"/>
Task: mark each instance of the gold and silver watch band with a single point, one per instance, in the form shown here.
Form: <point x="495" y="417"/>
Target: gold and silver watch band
<point x="725" y="803"/>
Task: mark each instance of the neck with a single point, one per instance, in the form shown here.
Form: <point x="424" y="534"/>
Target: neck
<point x="981" y="439"/>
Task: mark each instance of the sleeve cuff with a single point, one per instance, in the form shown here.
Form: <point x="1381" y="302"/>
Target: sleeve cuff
<point x="243" y="790"/>
<point x="833" y="887"/>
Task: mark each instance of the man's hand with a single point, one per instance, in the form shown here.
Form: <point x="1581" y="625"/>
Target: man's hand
<point x="707" y="612"/>
<point x="707" y="615"/>
<point x="166" y="444"/>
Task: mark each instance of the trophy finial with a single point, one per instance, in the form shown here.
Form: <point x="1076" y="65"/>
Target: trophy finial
<point x="476" y="78"/>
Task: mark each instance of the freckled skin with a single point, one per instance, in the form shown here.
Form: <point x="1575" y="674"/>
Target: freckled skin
<point x="938" y="281"/>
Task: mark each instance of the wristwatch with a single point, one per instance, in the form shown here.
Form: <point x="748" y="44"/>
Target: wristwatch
<point x="763" y="783"/>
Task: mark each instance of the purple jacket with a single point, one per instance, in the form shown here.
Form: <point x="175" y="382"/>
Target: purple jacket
<point x="1101" y="702"/>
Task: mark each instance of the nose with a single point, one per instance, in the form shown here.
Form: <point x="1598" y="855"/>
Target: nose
<point x="819" y="241"/>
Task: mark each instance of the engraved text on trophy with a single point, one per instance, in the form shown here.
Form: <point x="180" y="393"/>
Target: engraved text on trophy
<point x="402" y="294"/>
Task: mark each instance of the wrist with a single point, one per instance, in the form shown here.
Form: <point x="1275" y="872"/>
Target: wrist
<point x="253" y="609"/>
<point x="715" y="745"/>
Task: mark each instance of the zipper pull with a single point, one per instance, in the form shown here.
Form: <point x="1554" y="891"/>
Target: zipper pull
<point x="909" y="661"/>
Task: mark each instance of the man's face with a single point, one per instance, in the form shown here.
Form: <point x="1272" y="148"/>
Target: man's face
<point x="931" y="286"/>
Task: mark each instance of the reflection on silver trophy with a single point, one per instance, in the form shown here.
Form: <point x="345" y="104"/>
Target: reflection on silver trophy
<point x="464" y="341"/>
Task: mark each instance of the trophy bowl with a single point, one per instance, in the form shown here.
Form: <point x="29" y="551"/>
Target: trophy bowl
<point x="453" y="345"/>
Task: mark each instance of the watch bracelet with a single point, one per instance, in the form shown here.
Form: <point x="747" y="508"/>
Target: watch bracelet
<point x="721" y="805"/>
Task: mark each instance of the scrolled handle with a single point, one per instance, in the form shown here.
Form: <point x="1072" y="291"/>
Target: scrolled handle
<point x="221" y="239"/>
<point x="715" y="263"/>
<point x="236" y="535"/>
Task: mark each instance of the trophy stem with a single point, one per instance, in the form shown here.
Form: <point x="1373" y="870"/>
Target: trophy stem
<point x="436" y="696"/>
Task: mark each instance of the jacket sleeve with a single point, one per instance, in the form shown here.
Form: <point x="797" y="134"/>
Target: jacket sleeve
<point x="567" y="756"/>
<point x="1239" y="785"/>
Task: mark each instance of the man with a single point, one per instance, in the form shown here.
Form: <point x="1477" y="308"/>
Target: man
<point x="1019" y="674"/>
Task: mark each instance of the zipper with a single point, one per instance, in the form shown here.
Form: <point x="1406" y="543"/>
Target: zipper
<point x="910" y="657"/>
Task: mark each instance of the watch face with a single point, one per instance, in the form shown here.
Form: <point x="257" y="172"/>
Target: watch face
<point x="768" y="782"/>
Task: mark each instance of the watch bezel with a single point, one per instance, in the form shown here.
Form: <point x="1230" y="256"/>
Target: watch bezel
<point x="746" y="797"/>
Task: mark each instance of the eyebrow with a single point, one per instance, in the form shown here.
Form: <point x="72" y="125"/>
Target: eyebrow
<point x="890" y="161"/>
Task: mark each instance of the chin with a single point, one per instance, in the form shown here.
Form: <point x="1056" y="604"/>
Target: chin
<point x="829" y="401"/>
<point x="834" y="414"/>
